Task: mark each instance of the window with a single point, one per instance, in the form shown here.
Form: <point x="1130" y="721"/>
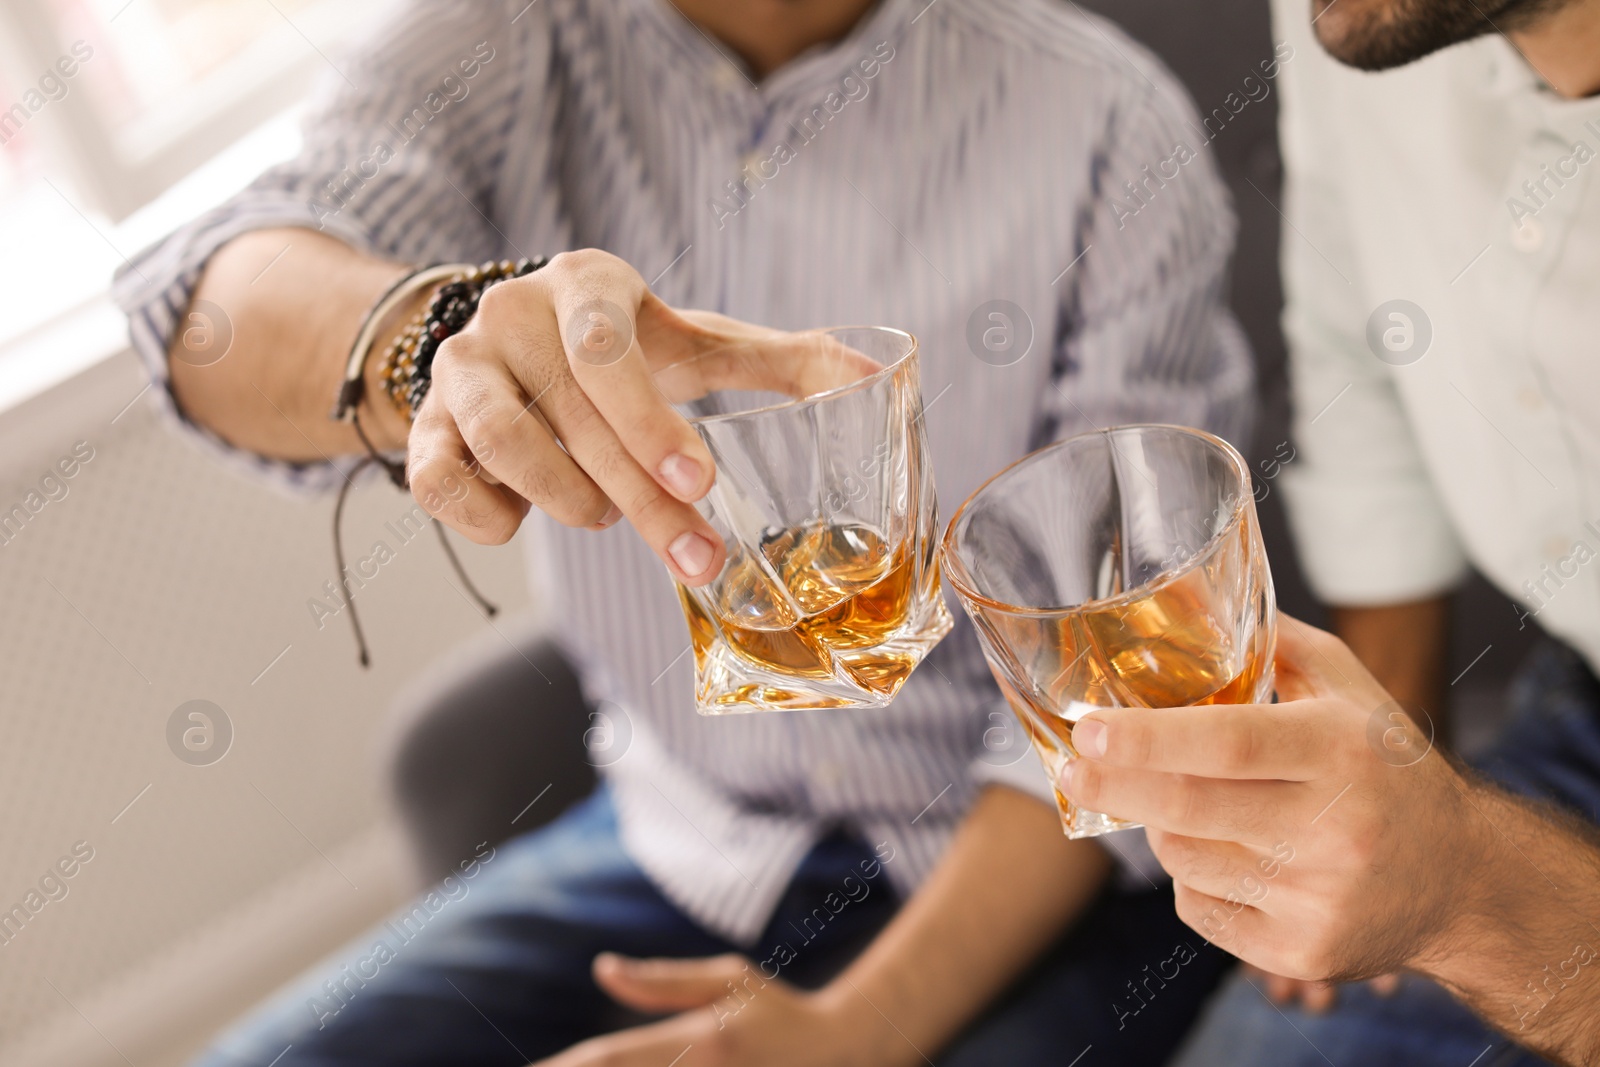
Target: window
<point x="133" y="94"/>
<point x="107" y="104"/>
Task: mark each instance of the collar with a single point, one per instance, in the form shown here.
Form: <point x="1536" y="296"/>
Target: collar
<point x="724" y="71"/>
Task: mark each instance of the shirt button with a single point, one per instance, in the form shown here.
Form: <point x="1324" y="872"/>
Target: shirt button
<point x="1555" y="548"/>
<point x="1528" y="236"/>
<point x="752" y="161"/>
<point x="1531" y="399"/>
<point x="725" y="75"/>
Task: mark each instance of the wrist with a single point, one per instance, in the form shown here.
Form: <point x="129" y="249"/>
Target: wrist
<point x="384" y="422"/>
<point x="1470" y="898"/>
<point x="1520" y="945"/>
<point x="858" y="1035"/>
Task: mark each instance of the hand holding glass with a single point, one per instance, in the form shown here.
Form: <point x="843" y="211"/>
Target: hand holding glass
<point x="1119" y="568"/>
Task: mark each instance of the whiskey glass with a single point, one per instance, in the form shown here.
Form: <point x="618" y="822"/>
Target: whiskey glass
<point x="1114" y="569"/>
<point x="824" y="498"/>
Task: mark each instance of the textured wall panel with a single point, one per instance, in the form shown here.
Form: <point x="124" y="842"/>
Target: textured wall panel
<point x="160" y="578"/>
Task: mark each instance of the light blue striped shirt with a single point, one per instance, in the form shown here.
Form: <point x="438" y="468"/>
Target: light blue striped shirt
<point x="940" y="158"/>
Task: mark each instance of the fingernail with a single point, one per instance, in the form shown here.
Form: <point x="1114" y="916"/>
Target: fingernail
<point x="1089" y="738"/>
<point x="692" y="553"/>
<point x="1067" y="775"/>
<point x="680" y="474"/>
<point x="608" y="519"/>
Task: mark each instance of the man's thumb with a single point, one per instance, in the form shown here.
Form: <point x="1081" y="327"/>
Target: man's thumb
<point x="666" y="985"/>
<point x="1310" y="662"/>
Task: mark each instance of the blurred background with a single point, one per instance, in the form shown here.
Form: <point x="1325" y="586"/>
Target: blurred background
<point x="155" y="577"/>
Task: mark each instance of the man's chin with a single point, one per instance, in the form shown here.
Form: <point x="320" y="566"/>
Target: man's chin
<point x="1384" y="34"/>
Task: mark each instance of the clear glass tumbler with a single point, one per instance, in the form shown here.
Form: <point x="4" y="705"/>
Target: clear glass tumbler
<point x="824" y="498"/>
<point x="1118" y="568"/>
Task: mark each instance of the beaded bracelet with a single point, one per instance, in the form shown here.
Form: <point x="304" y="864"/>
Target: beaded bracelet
<point x="406" y="370"/>
<point x="352" y="389"/>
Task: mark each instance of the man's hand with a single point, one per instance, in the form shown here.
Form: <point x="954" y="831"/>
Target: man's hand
<point x="1317" y="838"/>
<point x="727" y="1014"/>
<point x="1324" y="838"/>
<point x="555" y="392"/>
<point x="1404" y="646"/>
<point x="956" y="944"/>
<point x="560" y="392"/>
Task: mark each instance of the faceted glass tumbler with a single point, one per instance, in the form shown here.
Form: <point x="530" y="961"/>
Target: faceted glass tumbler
<point x="1118" y="568"/>
<point x="825" y="502"/>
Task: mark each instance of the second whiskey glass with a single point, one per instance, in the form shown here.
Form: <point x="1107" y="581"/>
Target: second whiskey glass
<point x="1118" y="568"/>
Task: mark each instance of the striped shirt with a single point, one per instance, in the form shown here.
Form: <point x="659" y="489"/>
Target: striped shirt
<point x="1013" y="181"/>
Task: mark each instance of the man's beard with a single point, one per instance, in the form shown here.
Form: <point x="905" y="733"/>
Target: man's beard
<point x="1380" y="34"/>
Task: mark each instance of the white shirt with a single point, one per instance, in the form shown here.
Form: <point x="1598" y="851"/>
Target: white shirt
<point x="941" y="157"/>
<point x="1463" y="185"/>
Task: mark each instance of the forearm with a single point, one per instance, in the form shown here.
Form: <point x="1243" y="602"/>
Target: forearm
<point x="1524" y="951"/>
<point x="1405" y="647"/>
<point x="293" y="316"/>
<point x="1008" y="886"/>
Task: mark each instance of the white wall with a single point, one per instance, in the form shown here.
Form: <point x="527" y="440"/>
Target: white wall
<point x="161" y="578"/>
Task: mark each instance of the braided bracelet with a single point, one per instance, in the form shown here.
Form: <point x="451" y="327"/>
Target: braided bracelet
<point x="406" y="370"/>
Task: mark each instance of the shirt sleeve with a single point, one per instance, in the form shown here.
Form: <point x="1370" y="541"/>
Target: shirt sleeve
<point x="402" y="147"/>
<point x="1148" y="336"/>
<point x="1366" y="517"/>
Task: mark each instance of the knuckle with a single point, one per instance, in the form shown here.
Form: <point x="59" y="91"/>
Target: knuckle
<point x="577" y="508"/>
<point x="1129" y="742"/>
<point x="450" y="357"/>
<point x="446" y="495"/>
<point x="1328" y="645"/>
<point x="610" y="464"/>
<point x="1305" y="959"/>
<point x="1087" y="785"/>
<point x="488" y="438"/>
<point x="1179" y="805"/>
<point x="500" y="304"/>
<point x="481" y="526"/>
<point x="580" y="262"/>
<point x="1169" y="854"/>
<point x="1203" y="915"/>
<point x="1142" y="740"/>
<point x="464" y="390"/>
<point x="1359" y="848"/>
<point x="1174" y="852"/>
<point x="1237" y="749"/>
<point x="484" y="525"/>
<point x="542" y="487"/>
<point x="427" y="477"/>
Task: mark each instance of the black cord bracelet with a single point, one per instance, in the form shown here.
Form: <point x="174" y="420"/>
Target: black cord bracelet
<point x="451" y="308"/>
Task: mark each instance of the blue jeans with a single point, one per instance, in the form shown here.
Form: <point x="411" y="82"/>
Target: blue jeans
<point x="1550" y="749"/>
<point x="493" y="969"/>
